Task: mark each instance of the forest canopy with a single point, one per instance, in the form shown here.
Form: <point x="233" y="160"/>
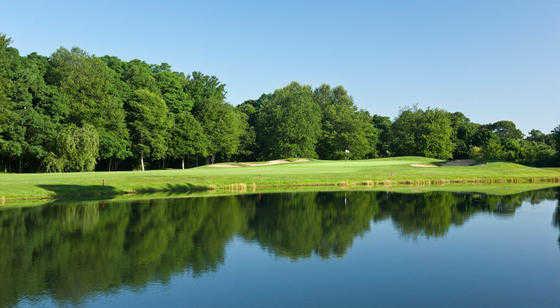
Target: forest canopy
<point x="74" y="111"/>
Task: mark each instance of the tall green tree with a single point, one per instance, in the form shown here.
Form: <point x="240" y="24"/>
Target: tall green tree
<point x="223" y="125"/>
<point x="537" y="136"/>
<point x="556" y="139"/>
<point x="288" y="123"/>
<point x="463" y="132"/>
<point x="423" y="132"/>
<point x="41" y="135"/>
<point x="14" y="100"/>
<point x="186" y="138"/>
<point x="501" y="140"/>
<point x="172" y="86"/>
<point x="77" y="149"/>
<point x="139" y="75"/>
<point x="148" y="124"/>
<point x="248" y="149"/>
<point x="506" y="130"/>
<point x="383" y="125"/>
<point x="90" y="89"/>
<point x="493" y="149"/>
<point x="536" y="153"/>
<point x="346" y="132"/>
<point x="11" y="133"/>
<point x="436" y="134"/>
<point x="201" y="87"/>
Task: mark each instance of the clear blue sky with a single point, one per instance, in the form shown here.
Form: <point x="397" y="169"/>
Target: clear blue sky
<point x="491" y="60"/>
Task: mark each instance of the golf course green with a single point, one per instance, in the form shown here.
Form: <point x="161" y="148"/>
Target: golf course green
<point x="281" y="175"/>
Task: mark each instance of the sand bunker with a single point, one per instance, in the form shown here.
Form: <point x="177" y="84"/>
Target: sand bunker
<point x="224" y="166"/>
<point x="273" y="162"/>
<point x="423" y="165"/>
<point x="258" y="164"/>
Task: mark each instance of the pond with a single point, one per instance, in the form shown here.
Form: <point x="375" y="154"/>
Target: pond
<point x="286" y="249"/>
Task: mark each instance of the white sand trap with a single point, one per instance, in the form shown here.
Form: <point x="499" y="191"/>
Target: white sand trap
<point x="258" y="164"/>
<point x="274" y="162"/>
<point x="423" y="166"/>
<point x="224" y="166"/>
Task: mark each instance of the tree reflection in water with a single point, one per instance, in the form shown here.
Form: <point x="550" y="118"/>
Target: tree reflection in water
<point x="72" y="251"/>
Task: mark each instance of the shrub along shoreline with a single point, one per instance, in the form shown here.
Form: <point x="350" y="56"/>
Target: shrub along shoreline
<point x="359" y="174"/>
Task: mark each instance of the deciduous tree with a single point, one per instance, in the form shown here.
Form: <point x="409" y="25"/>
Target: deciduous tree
<point x="288" y="123"/>
<point x="148" y="124"/>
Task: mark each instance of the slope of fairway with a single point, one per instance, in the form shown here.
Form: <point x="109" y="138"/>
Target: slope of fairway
<point x="391" y="171"/>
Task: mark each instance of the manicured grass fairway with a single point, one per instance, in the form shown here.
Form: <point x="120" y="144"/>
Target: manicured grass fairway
<point x="375" y="172"/>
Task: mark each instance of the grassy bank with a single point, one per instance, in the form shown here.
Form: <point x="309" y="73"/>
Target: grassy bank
<point x="487" y="189"/>
<point x="414" y="171"/>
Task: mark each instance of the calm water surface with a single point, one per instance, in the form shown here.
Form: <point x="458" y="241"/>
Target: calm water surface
<point x="302" y="249"/>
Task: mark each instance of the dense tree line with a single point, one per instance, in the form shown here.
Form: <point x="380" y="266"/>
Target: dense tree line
<point x="73" y="111"/>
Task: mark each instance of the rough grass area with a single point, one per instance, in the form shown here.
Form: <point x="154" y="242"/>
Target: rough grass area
<point x="362" y="173"/>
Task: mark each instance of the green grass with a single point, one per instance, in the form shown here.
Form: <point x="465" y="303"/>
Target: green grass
<point x="362" y="173"/>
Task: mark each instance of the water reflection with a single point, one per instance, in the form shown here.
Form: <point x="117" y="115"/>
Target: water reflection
<point x="70" y="252"/>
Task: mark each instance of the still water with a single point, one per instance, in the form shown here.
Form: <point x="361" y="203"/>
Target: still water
<point x="301" y="249"/>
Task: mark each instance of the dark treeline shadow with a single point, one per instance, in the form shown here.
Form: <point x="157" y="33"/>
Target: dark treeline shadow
<point x="106" y="246"/>
<point x="65" y="193"/>
<point x="81" y="192"/>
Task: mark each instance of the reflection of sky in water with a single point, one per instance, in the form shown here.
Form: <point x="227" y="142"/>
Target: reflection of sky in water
<point x="490" y="259"/>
